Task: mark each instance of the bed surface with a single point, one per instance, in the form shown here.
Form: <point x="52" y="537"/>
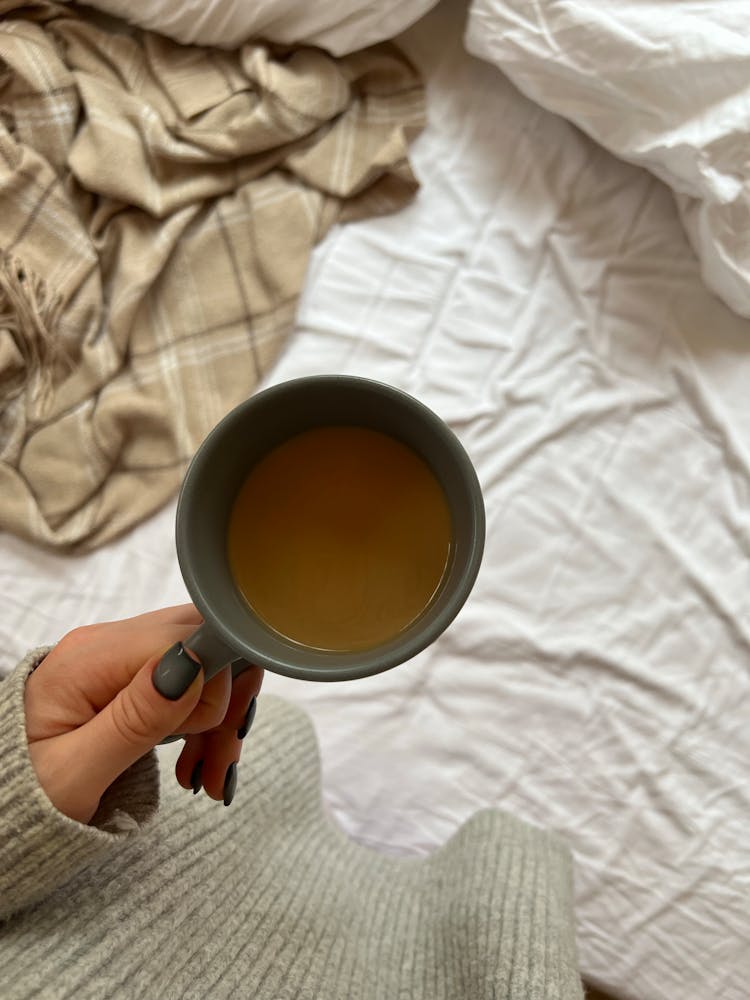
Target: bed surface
<point x="540" y="296"/>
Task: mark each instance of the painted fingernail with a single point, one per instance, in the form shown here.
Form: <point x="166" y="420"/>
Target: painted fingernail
<point x="230" y="784"/>
<point x="175" y="672"/>
<point x="248" y="720"/>
<point x="195" y="778"/>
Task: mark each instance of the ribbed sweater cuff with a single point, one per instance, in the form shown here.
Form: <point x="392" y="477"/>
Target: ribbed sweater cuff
<point x="41" y="848"/>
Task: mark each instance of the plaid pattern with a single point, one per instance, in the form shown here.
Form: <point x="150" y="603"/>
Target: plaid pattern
<point x="159" y="205"/>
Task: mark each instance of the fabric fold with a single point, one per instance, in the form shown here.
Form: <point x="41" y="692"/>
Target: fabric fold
<point x="169" y="198"/>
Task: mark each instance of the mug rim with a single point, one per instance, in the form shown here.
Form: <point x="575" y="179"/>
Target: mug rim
<point x="360" y="663"/>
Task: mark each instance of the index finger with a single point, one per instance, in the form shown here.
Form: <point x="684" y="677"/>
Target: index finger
<point x="178" y="614"/>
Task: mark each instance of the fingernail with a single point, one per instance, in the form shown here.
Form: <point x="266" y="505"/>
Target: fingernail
<point x="175" y="672"/>
<point x="230" y="784"/>
<point x="195" y="778"/>
<point x="248" y="720"/>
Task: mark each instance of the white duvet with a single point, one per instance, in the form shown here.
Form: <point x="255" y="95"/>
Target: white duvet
<point x="542" y="297"/>
<point x="662" y="83"/>
<point x="340" y="26"/>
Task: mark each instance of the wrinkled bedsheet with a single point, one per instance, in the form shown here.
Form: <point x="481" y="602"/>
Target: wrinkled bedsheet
<point x="542" y="297"/>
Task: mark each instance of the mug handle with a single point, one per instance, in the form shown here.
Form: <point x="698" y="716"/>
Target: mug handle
<point x="214" y="654"/>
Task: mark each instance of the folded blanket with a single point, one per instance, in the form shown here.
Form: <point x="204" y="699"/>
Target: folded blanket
<point x="160" y="203"/>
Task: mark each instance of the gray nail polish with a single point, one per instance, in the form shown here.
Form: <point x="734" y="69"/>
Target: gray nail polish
<point x="196" y="782"/>
<point x="175" y="672"/>
<point x="230" y="784"/>
<point x="248" y="720"/>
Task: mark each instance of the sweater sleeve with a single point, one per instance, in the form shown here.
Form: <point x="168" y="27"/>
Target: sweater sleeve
<point x="40" y="847"/>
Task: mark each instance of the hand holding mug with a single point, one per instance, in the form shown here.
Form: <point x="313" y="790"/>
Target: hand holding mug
<point x="108" y="693"/>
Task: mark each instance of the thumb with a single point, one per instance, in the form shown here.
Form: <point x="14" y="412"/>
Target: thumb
<point x="155" y="703"/>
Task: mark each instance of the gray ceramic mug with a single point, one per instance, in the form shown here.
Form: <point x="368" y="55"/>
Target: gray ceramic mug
<point x="231" y="633"/>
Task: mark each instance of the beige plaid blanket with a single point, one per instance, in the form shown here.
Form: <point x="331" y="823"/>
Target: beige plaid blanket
<point x="158" y="205"/>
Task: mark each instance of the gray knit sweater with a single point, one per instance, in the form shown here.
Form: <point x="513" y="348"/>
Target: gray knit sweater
<point x="266" y="899"/>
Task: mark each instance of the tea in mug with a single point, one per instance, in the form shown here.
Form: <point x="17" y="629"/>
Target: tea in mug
<point x="339" y="538"/>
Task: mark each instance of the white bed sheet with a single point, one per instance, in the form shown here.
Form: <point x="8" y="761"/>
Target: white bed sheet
<point x="541" y="296"/>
